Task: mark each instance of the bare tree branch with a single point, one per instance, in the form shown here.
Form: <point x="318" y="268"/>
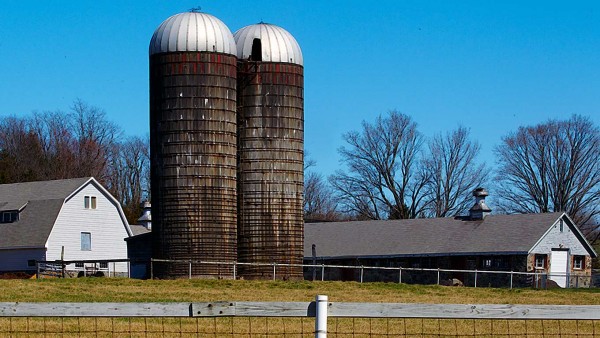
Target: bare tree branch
<point x="453" y="172"/>
<point x="552" y="167"/>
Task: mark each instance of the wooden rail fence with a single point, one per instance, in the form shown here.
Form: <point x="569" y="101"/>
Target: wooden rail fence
<point x="368" y="319"/>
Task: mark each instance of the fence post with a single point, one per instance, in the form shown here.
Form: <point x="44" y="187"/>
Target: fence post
<point x="234" y="270"/>
<point x="438" y="276"/>
<point x="321" y="317"/>
<point x="475" y="277"/>
<point x="274" y="265"/>
<point x="151" y="269"/>
<point x="322" y="272"/>
<point x="400" y="275"/>
<point x="511" y="279"/>
<point x="190" y="270"/>
<point x="128" y="269"/>
<point x="361" y="273"/>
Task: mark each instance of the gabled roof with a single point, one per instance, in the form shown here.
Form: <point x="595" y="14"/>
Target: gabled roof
<point x="39" y="204"/>
<point x="496" y="234"/>
<point x="34" y="225"/>
<point x="16" y="195"/>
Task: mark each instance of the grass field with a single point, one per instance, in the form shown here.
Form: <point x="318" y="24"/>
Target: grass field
<point x="126" y="290"/>
<point x="131" y="290"/>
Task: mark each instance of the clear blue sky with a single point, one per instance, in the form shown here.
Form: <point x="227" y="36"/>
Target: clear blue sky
<point x="488" y="65"/>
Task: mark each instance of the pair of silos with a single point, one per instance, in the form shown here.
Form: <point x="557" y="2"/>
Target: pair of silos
<point x="226" y="134"/>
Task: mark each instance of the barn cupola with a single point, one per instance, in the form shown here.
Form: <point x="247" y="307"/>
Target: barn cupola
<point x="146" y="219"/>
<point x="480" y="209"/>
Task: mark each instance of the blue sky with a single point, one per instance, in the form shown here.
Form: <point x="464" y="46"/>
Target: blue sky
<point x="491" y="66"/>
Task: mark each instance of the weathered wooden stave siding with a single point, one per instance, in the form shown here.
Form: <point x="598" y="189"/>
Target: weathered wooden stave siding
<point x="270" y="167"/>
<point x="193" y="151"/>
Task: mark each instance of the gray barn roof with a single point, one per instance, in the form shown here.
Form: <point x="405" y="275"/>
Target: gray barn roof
<point x="40" y="203"/>
<point x="431" y="236"/>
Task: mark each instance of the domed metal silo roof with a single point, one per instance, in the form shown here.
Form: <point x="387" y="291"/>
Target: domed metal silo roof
<point x="277" y="44"/>
<point x="191" y="32"/>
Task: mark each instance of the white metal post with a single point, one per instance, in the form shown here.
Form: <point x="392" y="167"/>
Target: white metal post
<point x="321" y="317"/>
<point x="361" y="273"/>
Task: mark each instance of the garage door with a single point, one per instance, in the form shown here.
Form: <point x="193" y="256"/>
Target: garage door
<point x="558" y="267"/>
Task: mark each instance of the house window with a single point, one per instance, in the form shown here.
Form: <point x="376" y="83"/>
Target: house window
<point x="578" y="262"/>
<point x="540" y="261"/>
<point x="89" y="202"/>
<point x="86" y="241"/>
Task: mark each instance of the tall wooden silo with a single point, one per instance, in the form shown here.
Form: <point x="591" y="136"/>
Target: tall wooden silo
<point x="193" y="144"/>
<point x="270" y="151"/>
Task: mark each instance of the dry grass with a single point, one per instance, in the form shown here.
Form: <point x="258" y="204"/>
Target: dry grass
<point x="129" y="290"/>
<point x="125" y="290"/>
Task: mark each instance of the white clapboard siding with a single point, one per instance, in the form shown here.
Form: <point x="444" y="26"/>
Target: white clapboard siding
<point x="107" y="228"/>
<point x="554" y="238"/>
<point x="16" y="259"/>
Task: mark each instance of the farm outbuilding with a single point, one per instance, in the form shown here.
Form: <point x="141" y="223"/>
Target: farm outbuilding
<point x="548" y="243"/>
<point x="71" y="219"/>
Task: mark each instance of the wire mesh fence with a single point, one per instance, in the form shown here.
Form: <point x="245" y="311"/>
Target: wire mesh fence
<point x="296" y="319"/>
<point x="292" y="327"/>
<point x="323" y="272"/>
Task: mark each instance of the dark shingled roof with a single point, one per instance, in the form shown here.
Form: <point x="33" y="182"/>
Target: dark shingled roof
<point x="137" y="229"/>
<point x="427" y="236"/>
<point x="40" y="203"/>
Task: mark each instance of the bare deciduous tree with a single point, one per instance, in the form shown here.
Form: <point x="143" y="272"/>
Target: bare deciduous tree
<point x="453" y="172"/>
<point x="128" y="177"/>
<point x="95" y="137"/>
<point x="383" y="178"/>
<point x="319" y="204"/>
<point x="550" y="167"/>
<point x="55" y="145"/>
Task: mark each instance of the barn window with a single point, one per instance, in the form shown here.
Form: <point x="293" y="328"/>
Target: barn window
<point x="103" y="265"/>
<point x="79" y="265"/>
<point x="540" y="261"/>
<point x="487" y="263"/>
<point x="89" y="202"/>
<point x="578" y="262"/>
<point x="86" y="241"/>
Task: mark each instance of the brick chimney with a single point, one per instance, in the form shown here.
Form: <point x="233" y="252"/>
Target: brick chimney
<point x="480" y="209"/>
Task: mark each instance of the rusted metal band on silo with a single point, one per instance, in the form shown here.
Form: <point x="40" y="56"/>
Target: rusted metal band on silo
<point x="193" y="158"/>
<point x="270" y="167"/>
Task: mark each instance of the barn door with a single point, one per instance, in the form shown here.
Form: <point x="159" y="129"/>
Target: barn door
<point x="559" y="263"/>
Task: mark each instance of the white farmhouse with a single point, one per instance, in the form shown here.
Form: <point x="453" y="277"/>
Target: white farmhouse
<point x="77" y="219"/>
